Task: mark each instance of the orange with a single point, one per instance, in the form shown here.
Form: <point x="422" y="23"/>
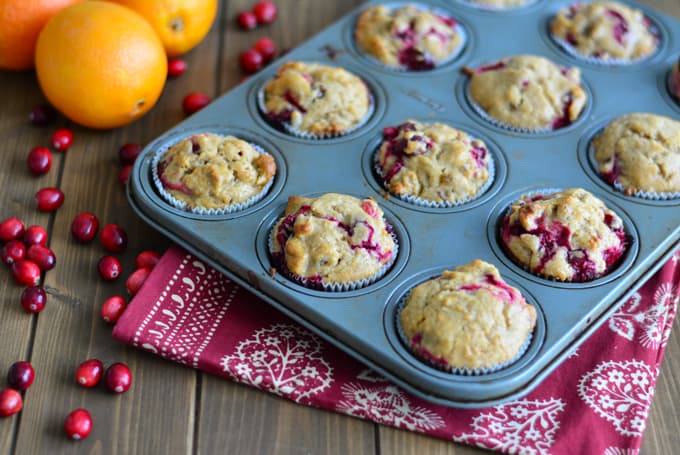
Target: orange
<point x="181" y="24"/>
<point x="20" y="24"/>
<point x="100" y="64"/>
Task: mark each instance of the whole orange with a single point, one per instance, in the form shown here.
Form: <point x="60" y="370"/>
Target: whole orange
<point x="20" y="24"/>
<point x="181" y="24"/>
<point x="101" y="64"/>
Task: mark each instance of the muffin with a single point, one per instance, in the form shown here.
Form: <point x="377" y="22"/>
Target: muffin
<point x="333" y="242"/>
<point x="569" y="235"/>
<point x="501" y="4"/>
<point x="210" y="172"/>
<point x="640" y="154"/>
<point x="467" y="320"/>
<point x="317" y="100"/>
<point x="607" y="31"/>
<point x="528" y="92"/>
<point x="675" y="80"/>
<point x="433" y="163"/>
<point x="407" y="37"/>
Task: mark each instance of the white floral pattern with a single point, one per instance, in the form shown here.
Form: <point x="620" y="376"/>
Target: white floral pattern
<point x="619" y="451"/>
<point x="284" y="359"/>
<point x="621" y="393"/>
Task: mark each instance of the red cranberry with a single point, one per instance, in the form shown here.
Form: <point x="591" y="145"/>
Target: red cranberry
<point x="10" y="402"/>
<point x="251" y="61"/>
<point x="89" y="373"/>
<point x="21" y="375"/>
<point x="265" y="47"/>
<point x="41" y="115"/>
<point x="84" y="227"/>
<point x="13" y="251"/>
<point x="109" y="268"/>
<point x="194" y="102"/>
<point x="25" y="273"/>
<point x="113" y="238"/>
<point x="78" y="424"/>
<point x="11" y="229"/>
<point x="33" y="299"/>
<point x="128" y="153"/>
<point x="118" y="378"/>
<point x="113" y="308"/>
<point x="176" y="67"/>
<point x="39" y="160"/>
<point x="124" y="174"/>
<point x="136" y="280"/>
<point x="42" y="256"/>
<point x="147" y="259"/>
<point x="265" y="12"/>
<point x="246" y="20"/>
<point x="62" y="139"/>
<point x="35" y="235"/>
<point x="49" y="199"/>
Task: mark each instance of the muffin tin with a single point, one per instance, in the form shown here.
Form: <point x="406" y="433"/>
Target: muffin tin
<point x="362" y="322"/>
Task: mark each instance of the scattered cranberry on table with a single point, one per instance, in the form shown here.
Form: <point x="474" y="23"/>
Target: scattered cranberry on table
<point x="13" y="251"/>
<point x="25" y="273"/>
<point x="147" y="258"/>
<point x="109" y="268"/>
<point x="89" y="373"/>
<point x="62" y="139"/>
<point x="49" y="199"/>
<point x="194" y="102"/>
<point x="10" y="402"/>
<point x="176" y="67"/>
<point x="113" y="308"/>
<point x="41" y="115"/>
<point x="33" y="299"/>
<point x="11" y="229"/>
<point x="39" y="160"/>
<point x="113" y="238"/>
<point x="266" y="48"/>
<point x="21" y="375"/>
<point x="128" y="153"/>
<point x="136" y="280"/>
<point x="42" y="256"/>
<point x="246" y="20"/>
<point x="84" y="227"/>
<point x="124" y="174"/>
<point x="118" y="378"/>
<point x="265" y="12"/>
<point x="78" y="424"/>
<point x="251" y="61"/>
<point x="35" y="235"/>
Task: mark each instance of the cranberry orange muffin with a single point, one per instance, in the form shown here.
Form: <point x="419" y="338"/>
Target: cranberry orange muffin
<point x="334" y="242"/>
<point x="640" y="153"/>
<point x="528" y="92"/>
<point x="407" y="36"/>
<point x="212" y="172"/>
<point x="315" y="99"/>
<point x="432" y="163"/>
<point x="605" y="30"/>
<point x="467" y="320"/>
<point x="569" y="235"/>
<point x="501" y="4"/>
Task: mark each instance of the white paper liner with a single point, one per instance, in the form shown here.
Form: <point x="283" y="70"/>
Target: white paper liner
<point x="415" y="200"/>
<point x="451" y="369"/>
<point x="333" y="286"/>
<point x="169" y="198"/>
<point x="571" y="50"/>
<point x="437" y="64"/>
<point x="499" y="9"/>
<point x="307" y="135"/>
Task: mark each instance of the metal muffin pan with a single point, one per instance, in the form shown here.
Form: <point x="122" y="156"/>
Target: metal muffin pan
<point x="362" y="321"/>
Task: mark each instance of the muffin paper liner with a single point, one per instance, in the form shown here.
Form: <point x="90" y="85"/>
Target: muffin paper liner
<point x="451" y="369"/>
<point x="168" y="197"/>
<point x="421" y="202"/>
<point x="333" y="286"/>
<point x="571" y="50"/>
<point x="287" y="128"/>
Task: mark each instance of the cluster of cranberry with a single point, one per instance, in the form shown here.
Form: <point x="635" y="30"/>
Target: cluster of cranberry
<point x="253" y="59"/>
<point x="78" y="424"/>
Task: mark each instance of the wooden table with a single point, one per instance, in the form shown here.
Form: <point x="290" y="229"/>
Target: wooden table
<point x="172" y="409"/>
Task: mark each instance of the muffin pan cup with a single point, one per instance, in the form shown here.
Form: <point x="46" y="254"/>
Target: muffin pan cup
<point x="362" y="321"/>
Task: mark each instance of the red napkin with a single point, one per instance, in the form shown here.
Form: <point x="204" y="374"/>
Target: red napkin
<point x="190" y="313"/>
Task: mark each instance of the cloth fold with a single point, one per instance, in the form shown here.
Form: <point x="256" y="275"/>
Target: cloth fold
<point x="192" y="314"/>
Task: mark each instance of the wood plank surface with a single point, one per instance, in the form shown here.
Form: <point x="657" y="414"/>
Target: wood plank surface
<point x="172" y="409"/>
